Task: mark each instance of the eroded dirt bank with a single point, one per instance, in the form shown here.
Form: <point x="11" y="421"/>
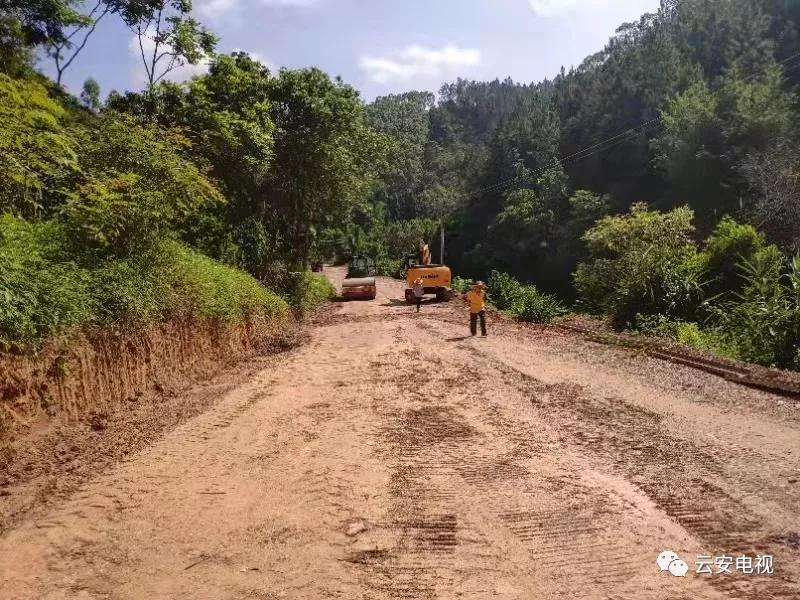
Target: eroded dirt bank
<point x="66" y="413"/>
<point x="393" y="458"/>
<point x="103" y="368"/>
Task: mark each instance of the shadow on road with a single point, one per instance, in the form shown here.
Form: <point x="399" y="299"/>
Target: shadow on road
<point x="458" y="339"/>
<point x="402" y="302"/>
<point x="396" y="302"/>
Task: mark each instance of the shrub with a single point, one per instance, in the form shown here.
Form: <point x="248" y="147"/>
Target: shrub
<point x="724" y="250"/>
<point x="755" y="312"/>
<point x="763" y="321"/>
<point x="389" y="267"/>
<point x="710" y="340"/>
<point x="503" y="290"/>
<point x="202" y="287"/>
<point x="522" y="301"/>
<point x="44" y="293"/>
<point x="643" y="262"/>
<point x="537" y="307"/>
<point x="173" y="280"/>
<point x="39" y="296"/>
<point x="461" y="285"/>
<point x="135" y="291"/>
<point x="316" y="291"/>
<point x="691" y="334"/>
<point x="302" y="290"/>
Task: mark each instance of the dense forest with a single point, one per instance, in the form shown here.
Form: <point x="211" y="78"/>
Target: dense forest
<point x="656" y="184"/>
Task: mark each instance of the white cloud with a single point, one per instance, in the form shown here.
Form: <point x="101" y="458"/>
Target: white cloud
<point x="555" y="8"/>
<point x="289" y="2"/>
<point x="178" y="74"/>
<point x="216" y="9"/>
<point x="415" y="61"/>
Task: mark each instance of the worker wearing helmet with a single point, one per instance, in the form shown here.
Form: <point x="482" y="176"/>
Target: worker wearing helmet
<point x="477" y="308"/>
<point x="419" y="292"/>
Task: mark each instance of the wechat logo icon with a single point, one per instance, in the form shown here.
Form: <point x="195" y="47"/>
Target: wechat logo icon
<point x="669" y="561"/>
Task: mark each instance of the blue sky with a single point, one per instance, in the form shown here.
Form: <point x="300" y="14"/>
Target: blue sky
<point x="383" y="46"/>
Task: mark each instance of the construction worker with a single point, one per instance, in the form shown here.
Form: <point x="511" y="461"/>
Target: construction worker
<point x="419" y="292"/>
<point x="424" y="253"/>
<point x="477" y="308"/>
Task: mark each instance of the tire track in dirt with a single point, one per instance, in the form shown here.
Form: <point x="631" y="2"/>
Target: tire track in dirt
<point x="439" y="547"/>
<point x="389" y="458"/>
<point x="636" y="442"/>
<point x="438" y="443"/>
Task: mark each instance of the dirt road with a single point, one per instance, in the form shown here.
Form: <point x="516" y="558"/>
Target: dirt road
<point x="391" y="457"/>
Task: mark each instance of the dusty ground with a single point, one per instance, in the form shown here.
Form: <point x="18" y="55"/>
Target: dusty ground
<point x="391" y="457"/>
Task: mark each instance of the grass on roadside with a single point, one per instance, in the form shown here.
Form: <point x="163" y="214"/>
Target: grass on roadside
<point x="46" y="292"/>
<point x="522" y="301"/>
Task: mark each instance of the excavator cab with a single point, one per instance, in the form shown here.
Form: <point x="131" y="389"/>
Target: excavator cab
<point x="411" y="260"/>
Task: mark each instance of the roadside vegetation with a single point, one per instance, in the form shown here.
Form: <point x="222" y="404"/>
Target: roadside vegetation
<point x="523" y="301"/>
<point x="733" y="294"/>
<point x="47" y="293"/>
<point x="654" y="185"/>
<point x="177" y="202"/>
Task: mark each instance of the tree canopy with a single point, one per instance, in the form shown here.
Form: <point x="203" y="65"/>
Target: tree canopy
<point x="682" y="128"/>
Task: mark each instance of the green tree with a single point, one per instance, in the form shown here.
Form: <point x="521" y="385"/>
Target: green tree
<point x="708" y="134"/>
<point x="404" y="120"/>
<point x="585" y="208"/>
<point x="227" y="113"/>
<point x="524" y="145"/>
<point x="604" y="102"/>
<point x="522" y="229"/>
<point x="164" y="104"/>
<point x="169" y="37"/>
<point x="690" y="148"/>
<point x="63" y="27"/>
<point x="90" y="95"/>
<point x="36" y="151"/>
<point x="66" y="48"/>
<point x="722" y="34"/>
<point x="135" y="186"/>
<point x="325" y="155"/>
<point x="16" y="56"/>
<point x="230" y="112"/>
<point x="641" y="263"/>
<point x="757" y="111"/>
<point x="43" y="22"/>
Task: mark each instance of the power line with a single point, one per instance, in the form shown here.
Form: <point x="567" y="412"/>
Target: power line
<point x="623" y="134"/>
<point x="597" y="147"/>
<point x="572" y="158"/>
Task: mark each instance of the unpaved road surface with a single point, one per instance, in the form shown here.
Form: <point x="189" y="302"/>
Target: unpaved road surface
<point x="390" y="457"/>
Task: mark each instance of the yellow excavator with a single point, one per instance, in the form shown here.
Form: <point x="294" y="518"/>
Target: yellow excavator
<point x="436" y="279"/>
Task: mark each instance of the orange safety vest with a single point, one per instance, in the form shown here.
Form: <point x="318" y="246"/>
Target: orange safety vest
<point x="477" y="301"/>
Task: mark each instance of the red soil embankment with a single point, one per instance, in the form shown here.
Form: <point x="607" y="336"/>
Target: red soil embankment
<point x="73" y="410"/>
<point x="99" y="370"/>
